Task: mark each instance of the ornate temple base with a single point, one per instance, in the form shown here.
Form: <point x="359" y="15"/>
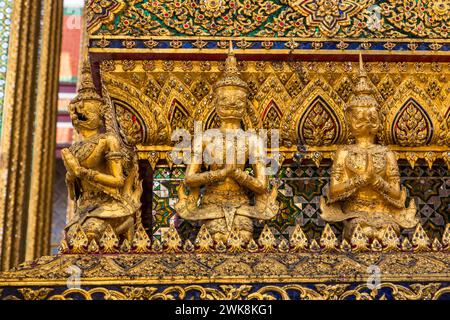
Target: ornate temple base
<point x="413" y="268"/>
<point x="275" y="275"/>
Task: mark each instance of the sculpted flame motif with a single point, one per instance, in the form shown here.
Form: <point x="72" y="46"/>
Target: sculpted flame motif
<point x="365" y="184"/>
<point x="129" y="124"/>
<point x="272" y="119"/>
<point x="328" y="15"/>
<point x="180" y="116"/>
<point x="412" y="127"/>
<point x="225" y="205"/>
<point x="319" y="126"/>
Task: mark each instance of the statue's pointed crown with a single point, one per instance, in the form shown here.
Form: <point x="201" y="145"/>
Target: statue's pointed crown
<point x="231" y="75"/>
<point x="86" y="89"/>
<point x="363" y="94"/>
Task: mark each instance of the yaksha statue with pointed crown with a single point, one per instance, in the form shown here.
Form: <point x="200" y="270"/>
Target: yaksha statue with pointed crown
<point x="102" y="173"/>
<point x="365" y="185"/>
<point x="231" y="197"/>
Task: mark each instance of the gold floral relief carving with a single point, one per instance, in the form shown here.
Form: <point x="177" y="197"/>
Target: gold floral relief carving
<point x="179" y="117"/>
<point x="212" y="122"/>
<point x="272" y="117"/>
<point x="318" y="125"/>
<point x="292" y="86"/>
<point x="411" y="116"/>
<point x="131" y="125"/>
<point x="412" y="127"/>
<point x="316" y="116"/>
<point x="156" y="124"/>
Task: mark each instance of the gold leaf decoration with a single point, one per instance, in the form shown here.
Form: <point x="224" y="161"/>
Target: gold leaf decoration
<point x="420" y="239"/>
<point x="78" y="241"/>
<point x="446" y="236"/>
<point x="283" y="246"/>
<point x="188" y="246"/>
<point x="345" y="246"/>
<point x="141" y="241"/>
<point x="125" y="246"/>
<point x="412" y="126"/>
<point x="267" y="240"/>
<point x="204" y="241"/>
<point x="109" y="242"/>
<point x="93" y="247"/>
<point x="252" y="247"/>
<point x="171" y="239"/>
<point x="298" y="240"/>
<point x="390" y="239"/>
<point x="359" y="240"/>
<point x="319" y="126"/>
<point x="235" y="242"/>
<point x="328" y="240"/>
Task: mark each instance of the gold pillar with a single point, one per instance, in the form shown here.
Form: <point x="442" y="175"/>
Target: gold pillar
<point x="44" y="140"/>
<point x="28" y="134"/>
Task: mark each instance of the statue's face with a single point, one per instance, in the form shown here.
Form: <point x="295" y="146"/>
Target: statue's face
<point x="363" y="121"/>
<point x="231" y="102"/>
<point x="86" y="115"/>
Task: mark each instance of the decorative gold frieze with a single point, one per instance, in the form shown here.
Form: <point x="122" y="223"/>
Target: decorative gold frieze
<point x="304" y="100"/>
<point x="298" y="242"/>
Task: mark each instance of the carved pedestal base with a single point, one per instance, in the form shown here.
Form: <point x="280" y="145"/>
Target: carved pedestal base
<point x="420" y="275"/>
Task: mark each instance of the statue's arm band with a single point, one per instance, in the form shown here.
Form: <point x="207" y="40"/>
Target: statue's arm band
<point x="384" y="188"/>
<point x="114" y="155"/>
<point x="88" y="174"/>
<point x="203" y="178"/>
<point x="350" y="187"/>
<point x="250" y="182"/>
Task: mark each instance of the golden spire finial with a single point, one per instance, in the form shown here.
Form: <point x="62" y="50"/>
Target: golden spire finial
<point x="231" y="63"/>
<point x="231" y="75"/>
<point x="363" y="92"/>
<point x="86" y="90"/>
<point x="361" y="65"/>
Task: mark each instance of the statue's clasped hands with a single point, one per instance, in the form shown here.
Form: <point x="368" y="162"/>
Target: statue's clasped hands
<point x="73" y="166"/>
<point x="370" y="177"/>
<point x="231" y="171"/>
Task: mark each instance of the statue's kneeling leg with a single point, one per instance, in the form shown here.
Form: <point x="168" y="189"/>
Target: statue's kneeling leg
<point x="126" y="228"/>
<point x="245" y="227"/>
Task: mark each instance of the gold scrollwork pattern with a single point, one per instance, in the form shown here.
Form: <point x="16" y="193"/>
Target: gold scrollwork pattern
<point x="414" y="291"/>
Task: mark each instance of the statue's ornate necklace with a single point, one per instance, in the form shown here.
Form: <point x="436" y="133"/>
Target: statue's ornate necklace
<point x="83" y="149"/>
<point x="357" y="158"/>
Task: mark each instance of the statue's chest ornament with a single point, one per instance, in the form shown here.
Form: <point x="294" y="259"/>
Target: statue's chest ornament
<point x="356" y="161"/>
<point x="221" y="151"/>
<point x="82" y="150"/>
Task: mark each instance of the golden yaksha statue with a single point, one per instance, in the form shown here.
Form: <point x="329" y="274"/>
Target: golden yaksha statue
<point x="365" y="184"/>
<point x="232" y="197"/>
<point x="102" y="173"/>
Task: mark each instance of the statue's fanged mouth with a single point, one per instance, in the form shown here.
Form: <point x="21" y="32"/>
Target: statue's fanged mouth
<point x="81" y="116"/>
